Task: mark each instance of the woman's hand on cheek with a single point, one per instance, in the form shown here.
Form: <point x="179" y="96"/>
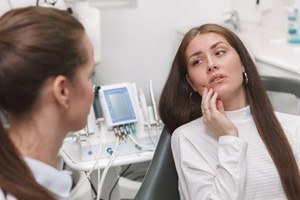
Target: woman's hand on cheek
<point x="214" y="115"/>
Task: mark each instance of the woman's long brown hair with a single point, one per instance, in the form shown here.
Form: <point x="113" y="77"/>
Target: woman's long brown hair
<point x="176" y="109"/>
<point x="35" y="43"/>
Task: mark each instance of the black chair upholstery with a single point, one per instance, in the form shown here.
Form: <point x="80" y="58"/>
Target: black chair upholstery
<point x="284" y="85"/>
<point x="281" y="84"/>
<point x="161" y="180"/>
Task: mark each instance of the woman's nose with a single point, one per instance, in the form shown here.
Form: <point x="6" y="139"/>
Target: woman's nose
<point x="211" y="66"/>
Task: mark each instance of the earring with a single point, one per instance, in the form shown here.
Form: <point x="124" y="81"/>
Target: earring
<point x="245" y="78"/>
<point x="195" y="98"/>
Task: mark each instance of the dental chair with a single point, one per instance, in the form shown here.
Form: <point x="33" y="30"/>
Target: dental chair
<point x="161" y="180"/>
<point x="284" y="86"/>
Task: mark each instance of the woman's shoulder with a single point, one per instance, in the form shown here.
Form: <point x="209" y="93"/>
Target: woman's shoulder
<point x="291" y="126"/>
<point x="289" y="122"/>
<point x="189" y="127"/>
<point x="193" y="132"/>
<point x="287" y="119"/>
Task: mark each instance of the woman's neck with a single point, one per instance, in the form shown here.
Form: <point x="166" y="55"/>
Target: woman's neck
<point x="38" y="138"/>
<point x="232" y="105"/>
<point x="235" y="102"/>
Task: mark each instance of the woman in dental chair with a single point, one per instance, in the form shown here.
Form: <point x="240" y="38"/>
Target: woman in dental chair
<point x="227" y="141"/>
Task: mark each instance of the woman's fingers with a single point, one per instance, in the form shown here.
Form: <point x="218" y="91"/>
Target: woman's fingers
<point x="211" y="111"/>
<point x="203" y="99"/>
<point x="220" y="106"/>
<point x="206" y="99"/>
<point x="214" y="115"/>
<point x="212" y="102"/>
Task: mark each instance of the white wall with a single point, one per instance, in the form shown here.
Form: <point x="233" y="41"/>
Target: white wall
<point x="139" y="43"/>
<point x="6" y="5"/>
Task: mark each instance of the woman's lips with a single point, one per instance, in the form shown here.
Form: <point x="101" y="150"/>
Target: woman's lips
<point x="216" y="78"/>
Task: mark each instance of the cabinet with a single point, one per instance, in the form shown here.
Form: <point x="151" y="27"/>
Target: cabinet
<point x="268" y="69"/>
<point x="108" y="4"/>
<point x="274" y="57"/>
<point x="280" y="101"/>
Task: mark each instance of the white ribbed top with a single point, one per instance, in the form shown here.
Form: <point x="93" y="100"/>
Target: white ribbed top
<point x="229" y="168"/>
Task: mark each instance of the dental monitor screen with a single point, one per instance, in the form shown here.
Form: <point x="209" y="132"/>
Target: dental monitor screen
<point x="118" y="106"/>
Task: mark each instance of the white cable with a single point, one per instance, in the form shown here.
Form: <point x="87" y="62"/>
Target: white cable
<point x="82" y="181"/>
<point x="98" y="172"/>
<point x="148" y="128"/>
<point x="97" y="158"/>
<point x="96" y="163"/>
<point x="140" y="145"/>
<point x="106" y="169"/>
<point x="153" y="101"/>
<point x="144" y="106"/>
<point x="146" y="115"/>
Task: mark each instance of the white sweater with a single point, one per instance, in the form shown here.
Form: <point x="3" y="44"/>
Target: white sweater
<point x="228" y="167"/>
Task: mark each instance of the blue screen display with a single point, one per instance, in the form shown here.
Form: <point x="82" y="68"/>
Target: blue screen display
<point x="119" y="105"/>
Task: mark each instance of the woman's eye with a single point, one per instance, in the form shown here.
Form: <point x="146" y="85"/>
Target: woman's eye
<point x="219" y="53"/>
<point x="196" y="62"/>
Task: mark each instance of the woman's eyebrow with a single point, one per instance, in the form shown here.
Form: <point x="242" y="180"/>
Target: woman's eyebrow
<point x="211" y="47"/>
<point x="194" y="54"/>
<point x="216" y="44"/>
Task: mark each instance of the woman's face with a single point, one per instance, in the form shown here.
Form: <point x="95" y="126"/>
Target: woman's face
<point x="213" y="63"/>
<point x="82" y="91"/>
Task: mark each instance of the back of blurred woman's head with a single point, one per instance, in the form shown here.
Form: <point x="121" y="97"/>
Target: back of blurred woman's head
<point x="35" y="44"/>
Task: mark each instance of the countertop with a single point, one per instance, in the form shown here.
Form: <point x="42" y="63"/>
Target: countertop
<point x="270" y="46"/>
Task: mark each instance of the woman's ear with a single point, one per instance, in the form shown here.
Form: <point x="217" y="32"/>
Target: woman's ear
<point x="243" y="67"/>
<point x="61" y="90"/>
<point x="190" y="82"/>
